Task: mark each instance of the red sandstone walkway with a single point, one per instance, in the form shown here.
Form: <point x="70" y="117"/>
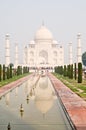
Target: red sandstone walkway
<point x="75" y="106"/>
<point x="12" y="85"/>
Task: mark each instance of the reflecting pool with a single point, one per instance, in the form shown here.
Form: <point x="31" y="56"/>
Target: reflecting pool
<point x="32" y="106"/>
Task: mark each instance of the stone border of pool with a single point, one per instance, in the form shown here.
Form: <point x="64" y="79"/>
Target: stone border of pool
<point x="74" y="105"/>
<point x="6" y="88"/>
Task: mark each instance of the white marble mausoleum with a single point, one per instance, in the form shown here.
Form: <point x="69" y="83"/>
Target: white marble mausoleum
<point x="43" y="51"/>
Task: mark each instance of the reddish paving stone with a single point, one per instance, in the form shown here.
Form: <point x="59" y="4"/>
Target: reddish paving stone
<point x="75" y="106"/>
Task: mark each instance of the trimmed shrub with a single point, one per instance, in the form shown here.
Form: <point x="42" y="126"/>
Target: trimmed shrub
<point x="79" y="72"/>
<point x="18" y="70"/>
<point x="4" y="76"/>
<point x="68" y="71"/>
<point x="71" y="71"/>
<point x="0" y="72"/>
<point x="75" y="71"/>
<point x="65" y="71"/>
<point x="8" y="73"/>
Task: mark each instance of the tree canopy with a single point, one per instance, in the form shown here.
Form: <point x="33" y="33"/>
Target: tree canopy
<point x="84" y="58"/>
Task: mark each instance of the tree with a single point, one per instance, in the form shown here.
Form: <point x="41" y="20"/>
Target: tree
<point x="84" y="58"/>
<point x="65" y="71"/>
<point x="10" y="71"/>
<point x="61" y="70"/>
<point x="18" y="70"/>
<point x="79" y="72"/>
<point x="75" y="71"/>
<point x="71" y="71"/>
<point x="0" y="72"/>
<point x="68" y="71"/>
<point x="11" y="64"/>
<point x="3" y="72"/>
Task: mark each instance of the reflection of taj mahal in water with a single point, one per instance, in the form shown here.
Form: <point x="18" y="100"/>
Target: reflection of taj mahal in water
<point x="43" y="51"/>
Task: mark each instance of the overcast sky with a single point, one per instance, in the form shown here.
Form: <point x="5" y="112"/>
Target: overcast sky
<point x="21" y="19"/>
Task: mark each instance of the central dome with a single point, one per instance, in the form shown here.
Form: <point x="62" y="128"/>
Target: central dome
<point x="43" y="34"/>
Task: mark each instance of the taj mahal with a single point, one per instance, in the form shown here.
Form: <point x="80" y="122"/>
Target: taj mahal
<point x="43" y="51"/>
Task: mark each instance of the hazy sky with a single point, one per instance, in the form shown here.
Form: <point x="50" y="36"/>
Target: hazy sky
<point x="21" y="19"/>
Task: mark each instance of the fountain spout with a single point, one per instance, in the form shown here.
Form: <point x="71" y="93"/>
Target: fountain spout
<point x="21" y="108"/>
<point x="8" y="127"/>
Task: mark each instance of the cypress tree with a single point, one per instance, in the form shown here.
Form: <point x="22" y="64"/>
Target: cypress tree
<point x="56" y="69"/>
<point x="3" y="72"/>
<point x="75" y="71"/>
<point x="61" y="71"/>
<point x="71" y="71"/>
<point x="28" y="69"/>
<point x="0" y="72"/>
<point x="79" y="72"/>
<point x="21" y="70"/>
<point x="10" y="71"/>
<point x="65" y="71"/>
<point x="18" y="70"/>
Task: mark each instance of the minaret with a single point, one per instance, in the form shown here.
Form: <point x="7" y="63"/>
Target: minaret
<point x="79" y="53"/>
<point x="7" y="50"/>
<point x="16" y="56"/>
<point x="70" y="54"/>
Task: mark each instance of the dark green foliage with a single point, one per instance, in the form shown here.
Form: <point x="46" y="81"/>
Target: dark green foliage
<point x="4" y="72"/>
<point x="75" y="71"/>
<point x="55" y="69"/>
<point x="8" y="73"/>
<point x="0" y="72"/>
<point x="59" y="69"/>
<point x="19" y="70"/>
<point x="84" y="58"/>
<point x="65" y="71"/>
<point x="71" y="71"/>
<point x="79" y="72"/>
<point x="25" y="70"/>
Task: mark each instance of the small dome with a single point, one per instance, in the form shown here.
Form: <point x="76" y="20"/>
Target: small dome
<point x="43" y="34"/>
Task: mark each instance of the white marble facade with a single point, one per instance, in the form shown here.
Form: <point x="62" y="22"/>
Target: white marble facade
<point x="43" y="51"/>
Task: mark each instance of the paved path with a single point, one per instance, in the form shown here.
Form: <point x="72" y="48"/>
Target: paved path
<point x="12" y="85"/>
<point x="75" y="106"/>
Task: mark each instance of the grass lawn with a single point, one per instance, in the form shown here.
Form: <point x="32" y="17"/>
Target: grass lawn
<point x="14" y="78"/>
<point x="78" y="88"/>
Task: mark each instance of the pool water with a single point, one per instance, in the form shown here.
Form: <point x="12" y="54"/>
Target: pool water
<point x="42" y="109"/>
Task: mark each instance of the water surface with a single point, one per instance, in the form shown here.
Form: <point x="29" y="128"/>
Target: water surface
<point x="42" y="110"/>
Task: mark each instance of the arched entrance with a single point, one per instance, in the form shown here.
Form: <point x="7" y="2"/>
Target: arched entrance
<point x="43" y="57"/>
